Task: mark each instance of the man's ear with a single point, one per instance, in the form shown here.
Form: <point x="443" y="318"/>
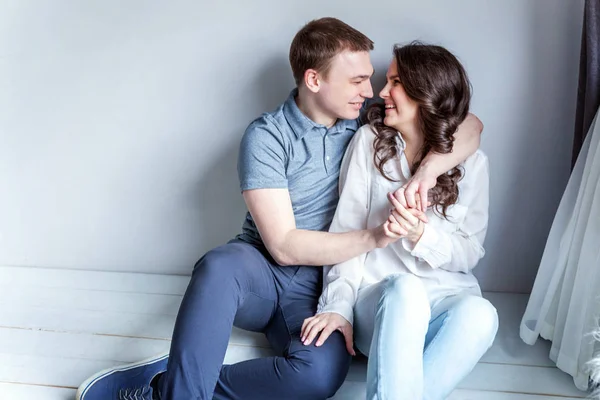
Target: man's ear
<point x="312" y="80"/>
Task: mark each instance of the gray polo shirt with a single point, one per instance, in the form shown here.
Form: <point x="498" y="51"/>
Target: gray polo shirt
<point x="285" y="149"/>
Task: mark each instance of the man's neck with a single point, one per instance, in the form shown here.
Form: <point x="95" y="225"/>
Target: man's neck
<point x="307" y="105"/>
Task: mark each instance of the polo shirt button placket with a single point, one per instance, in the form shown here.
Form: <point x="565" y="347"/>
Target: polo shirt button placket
<point x="327" y="157"/>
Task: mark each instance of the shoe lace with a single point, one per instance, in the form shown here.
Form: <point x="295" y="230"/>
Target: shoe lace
<point x="134" y="394"/>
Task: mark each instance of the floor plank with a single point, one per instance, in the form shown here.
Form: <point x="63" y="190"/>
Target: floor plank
<point x="154" y="326"/>
<point x="357" y="391"/>
<point x="461" y="394"/>
<point x="16" y="391"/>
<point x="70" y="372"/>
<point x="106" y="323"/>
<point x="520" y="379"/>
<point x="503" y="378"/>
<point x="78" y="346"/>
<point x="91" y="300"/>
<point x="94" y="280"/>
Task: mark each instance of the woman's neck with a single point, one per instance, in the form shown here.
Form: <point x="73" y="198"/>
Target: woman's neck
<point x="414" y="143"/>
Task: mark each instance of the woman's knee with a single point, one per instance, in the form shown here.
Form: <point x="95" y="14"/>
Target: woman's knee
<point x="405" y="292"/>
<point x="481" y="317"/>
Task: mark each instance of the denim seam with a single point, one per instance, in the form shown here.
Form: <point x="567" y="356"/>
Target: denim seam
<point x="437" y="335"/>
<point x="379" y="349"/>
<point x="285" y="320"/>
<point x="287" y="327"/>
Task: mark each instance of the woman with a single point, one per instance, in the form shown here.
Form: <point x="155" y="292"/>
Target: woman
<point x="417" y="309"/>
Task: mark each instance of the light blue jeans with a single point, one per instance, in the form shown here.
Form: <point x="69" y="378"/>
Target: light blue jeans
<point x="416" y="351"/>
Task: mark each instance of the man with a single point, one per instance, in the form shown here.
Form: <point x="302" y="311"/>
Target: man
<point x="267" y="279"/>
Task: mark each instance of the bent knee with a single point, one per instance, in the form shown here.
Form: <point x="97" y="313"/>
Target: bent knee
<point x="222" y="262"/>
<point x="403" y="287"/>
<point x="319" y="374"/>
<point x="406" y="292"/>
<point x="482" y="316"/>
<point x="320" y="382"/>
<point x="222" y="258"/>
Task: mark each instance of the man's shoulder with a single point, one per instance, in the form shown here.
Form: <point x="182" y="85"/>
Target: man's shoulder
<point x="268" y="118"/>
<point x="266" y="125"/>
<point x="353" y="124"/>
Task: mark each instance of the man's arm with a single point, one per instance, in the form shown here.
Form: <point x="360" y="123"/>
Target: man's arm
<point x="466" y="143"/>
<point x="271" y="210"/>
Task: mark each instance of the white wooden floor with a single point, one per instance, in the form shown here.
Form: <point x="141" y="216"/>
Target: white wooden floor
<point x="57" y="327"/>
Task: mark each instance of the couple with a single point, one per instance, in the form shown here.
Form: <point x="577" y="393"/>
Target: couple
<point x="402" y="260"/>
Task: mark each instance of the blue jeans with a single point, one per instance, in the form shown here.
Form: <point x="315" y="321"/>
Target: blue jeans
<point x="417" y="351"/>
<point x="239" y="284"/>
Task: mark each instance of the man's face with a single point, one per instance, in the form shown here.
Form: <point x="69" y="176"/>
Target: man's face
<point x="347" y="85"/>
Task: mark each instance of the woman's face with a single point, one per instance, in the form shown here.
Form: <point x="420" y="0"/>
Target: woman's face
<point x="400" y="110"/>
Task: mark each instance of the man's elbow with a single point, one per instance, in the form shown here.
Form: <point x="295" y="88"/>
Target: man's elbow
<point x="477" y="124"/>
<point x="283" y="259"/>
<point x="281" y="255"/>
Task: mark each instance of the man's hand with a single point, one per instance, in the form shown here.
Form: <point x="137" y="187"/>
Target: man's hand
<point x="466" y="143"/>
<point x="326" y="323"/>
<point x="413" y="194"/>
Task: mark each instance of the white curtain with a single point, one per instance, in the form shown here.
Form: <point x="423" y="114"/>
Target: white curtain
<point x="564" y="305"/>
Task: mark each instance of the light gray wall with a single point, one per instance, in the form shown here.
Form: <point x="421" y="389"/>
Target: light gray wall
<point x="120" y="121"/>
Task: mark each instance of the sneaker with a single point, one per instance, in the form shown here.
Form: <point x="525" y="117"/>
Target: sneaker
<point x="125" y="382"/>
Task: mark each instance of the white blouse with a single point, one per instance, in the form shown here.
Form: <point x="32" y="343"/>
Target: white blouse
<point x="444" y="255"/>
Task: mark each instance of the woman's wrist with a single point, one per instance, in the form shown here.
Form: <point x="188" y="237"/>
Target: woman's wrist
<point x="415" y="236"/>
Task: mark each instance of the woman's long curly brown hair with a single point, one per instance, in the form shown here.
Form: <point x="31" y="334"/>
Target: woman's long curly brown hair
<point x="433" y="78"/>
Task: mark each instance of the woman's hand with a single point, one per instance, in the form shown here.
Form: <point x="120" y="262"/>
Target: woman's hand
<point x="388" y="232"/>
<point x="327" y="323"/>
<point x="407" y="219"/>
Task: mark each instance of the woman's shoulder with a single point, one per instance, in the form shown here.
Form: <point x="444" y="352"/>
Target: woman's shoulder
<point x="366" y="132"/>
<point x="363" y="137"/>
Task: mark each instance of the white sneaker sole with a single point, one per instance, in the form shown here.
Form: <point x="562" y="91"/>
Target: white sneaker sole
<point x="83" y="388"/>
